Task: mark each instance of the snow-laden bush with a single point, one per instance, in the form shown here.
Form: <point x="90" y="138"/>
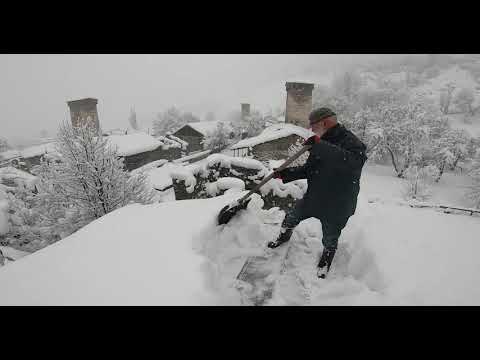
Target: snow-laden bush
<point x="419" y="181"/>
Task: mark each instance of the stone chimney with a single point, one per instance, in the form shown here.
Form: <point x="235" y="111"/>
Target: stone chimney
<point x="84" y="111"/>
<point x="245" y="110"/>
<point x="299" y="103"/>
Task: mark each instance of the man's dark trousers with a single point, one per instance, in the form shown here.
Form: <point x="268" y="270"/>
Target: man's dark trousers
<point x="331" y="229"/>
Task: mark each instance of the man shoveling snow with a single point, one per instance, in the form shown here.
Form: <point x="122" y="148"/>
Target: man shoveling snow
<point x="333" y="171"/>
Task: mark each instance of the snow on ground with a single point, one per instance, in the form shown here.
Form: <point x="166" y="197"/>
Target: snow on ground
<point x="173" y="253"/>
<point x="137" y="255"/>
<point x="13" y="253"/>
<point x="9" y="154"/>
<point x="379" y="182"/>
<point x="38" y="150"/>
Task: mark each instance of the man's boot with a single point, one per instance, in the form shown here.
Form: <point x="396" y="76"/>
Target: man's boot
<point x="325" y="262"/>
<point x="283" y="238"/>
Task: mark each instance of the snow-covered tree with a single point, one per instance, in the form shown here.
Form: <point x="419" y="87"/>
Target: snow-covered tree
<point x="132" y="119"/>
<point x="188" y="117"/>
<point x="4" y="146"/>
<point x="33" y="226"/>
<point x="419" y="181"/>
<point x="473" y="191"/>
<point x="446" y="97"/>
<point x="218" y="140"/>
<point x="4" y="209"/>
<point x="464" y="100"/>
<point x="255" y="123"/>
<point x="88" y="182"/>
<point x="347" y="84"/>
<point x="405" y="133"/>
<point x="171" y="120"/>
<point x="249" y="126"/>
<point x="450" y="149"/>
<point x="210" y="116"/>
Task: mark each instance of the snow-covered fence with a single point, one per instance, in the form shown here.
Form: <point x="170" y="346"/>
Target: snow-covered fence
<point x="445" y="208"/>
<point x="241" y="152"/>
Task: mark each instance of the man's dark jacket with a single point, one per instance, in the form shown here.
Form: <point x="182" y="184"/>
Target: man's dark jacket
<point x="333" y="171"/>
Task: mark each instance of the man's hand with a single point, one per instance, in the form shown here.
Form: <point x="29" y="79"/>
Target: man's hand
<point x="277" y="175"/>
<point x="312" y="140"/>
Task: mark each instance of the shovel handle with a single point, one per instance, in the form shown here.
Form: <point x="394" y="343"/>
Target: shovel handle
<point x="283" y="166"/>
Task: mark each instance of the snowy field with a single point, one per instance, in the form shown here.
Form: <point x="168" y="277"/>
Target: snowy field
<point x="172" y="253"/>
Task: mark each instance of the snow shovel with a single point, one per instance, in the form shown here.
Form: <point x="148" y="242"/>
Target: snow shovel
<point x="229" y="211"/>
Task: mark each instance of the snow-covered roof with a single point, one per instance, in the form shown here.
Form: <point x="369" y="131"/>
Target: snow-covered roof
<point x="9" y="154"/>
<point x="133" y="143"/>
<point x="19" y="177"/>
<point x="183" y="143"/>
<point x="117" y="131"/>
<point x="168" y="143"/>
<point x="205" y="127"/>
<point x="29" y="152"/>
<point x="38" y="150"/>
<point x="273" y="132"/>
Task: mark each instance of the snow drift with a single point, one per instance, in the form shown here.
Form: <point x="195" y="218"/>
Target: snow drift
<point x="173" y="253"/>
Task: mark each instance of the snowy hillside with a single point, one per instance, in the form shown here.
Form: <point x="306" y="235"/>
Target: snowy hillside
<point x="431" y="86"/>
<point x="173" y="253"/>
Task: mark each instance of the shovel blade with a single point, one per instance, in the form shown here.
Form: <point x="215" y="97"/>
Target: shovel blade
<point x="229" y="211"/>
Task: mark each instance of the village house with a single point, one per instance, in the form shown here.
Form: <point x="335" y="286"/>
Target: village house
<point x="137" y="150"/>
<point x="272" y="143"/>
<point x="140" y="149"/>
<point x="27" y="158"/>
<point x="195" y="133"/>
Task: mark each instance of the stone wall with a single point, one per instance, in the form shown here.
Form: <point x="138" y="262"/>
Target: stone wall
<point x="275" y="149"/>
<point x="135" y="161"/>
<point x="84" y="111"/>
<point x="245" y="174"/>
<point x="192" y="137"/>
<point x="299" y="103"/>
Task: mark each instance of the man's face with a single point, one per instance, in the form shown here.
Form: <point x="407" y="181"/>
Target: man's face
<point x="319" y="128"/>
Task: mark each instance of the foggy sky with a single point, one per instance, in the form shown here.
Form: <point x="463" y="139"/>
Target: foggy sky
<point x="34" y="89"/>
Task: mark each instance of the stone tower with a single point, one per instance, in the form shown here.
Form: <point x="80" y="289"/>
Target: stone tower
<point x="245" y="110"/>
<point x="299" y="103"/>
<point x="84" y="111"/>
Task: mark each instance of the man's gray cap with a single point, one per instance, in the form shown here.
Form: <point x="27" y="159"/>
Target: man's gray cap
<point x="320" y="114"/>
